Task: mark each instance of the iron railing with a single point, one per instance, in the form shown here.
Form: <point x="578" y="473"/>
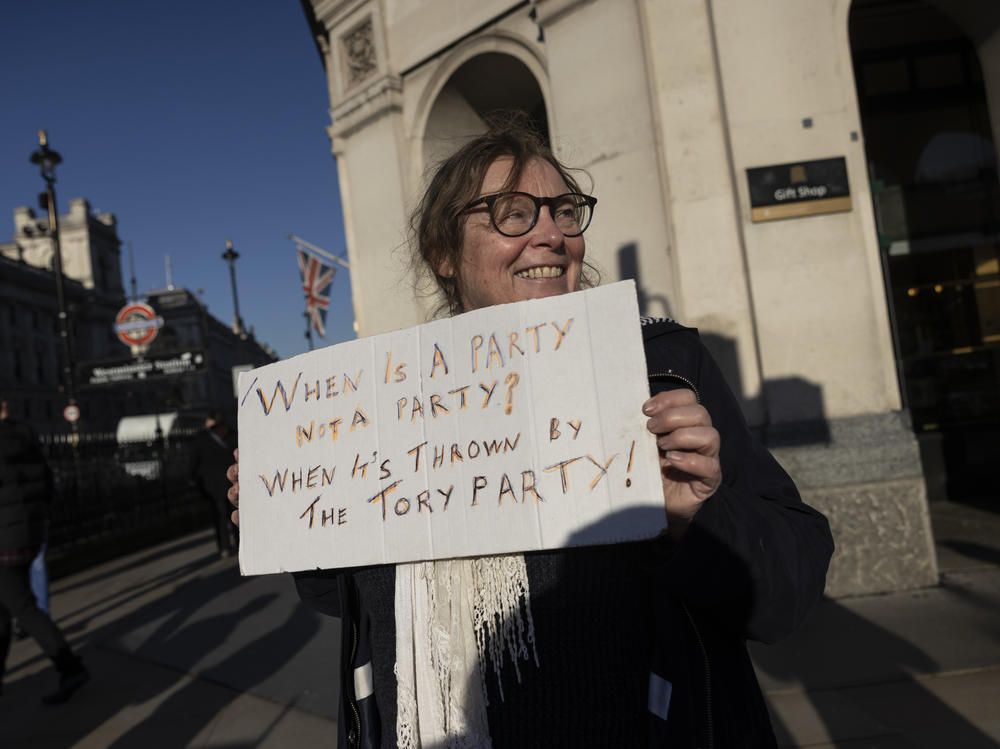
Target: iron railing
<point x="111" y="498"/>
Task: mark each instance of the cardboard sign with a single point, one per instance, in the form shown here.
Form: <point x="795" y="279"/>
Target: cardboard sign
<point x="508" y="429"/>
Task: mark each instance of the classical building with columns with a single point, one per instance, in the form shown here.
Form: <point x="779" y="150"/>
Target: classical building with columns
<point x="813" y="185"/>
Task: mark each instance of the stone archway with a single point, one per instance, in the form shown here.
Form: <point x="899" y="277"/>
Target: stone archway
<point x="487" y="82"/>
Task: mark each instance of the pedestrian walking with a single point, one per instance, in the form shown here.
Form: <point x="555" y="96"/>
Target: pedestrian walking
<point x="211" y="453"/>
<point x="25" y="494"/>
<point x="39" y="577"/>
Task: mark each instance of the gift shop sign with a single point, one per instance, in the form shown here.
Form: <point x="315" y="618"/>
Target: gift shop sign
<point x="802" y="188"/>
<point x="508" y="429"/>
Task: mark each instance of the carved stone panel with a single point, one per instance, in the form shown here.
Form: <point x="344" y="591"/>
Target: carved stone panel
<point x="360" y="57"/>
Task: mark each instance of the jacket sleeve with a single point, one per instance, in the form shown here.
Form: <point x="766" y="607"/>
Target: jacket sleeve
<point x="320" y="590"/>
<point x="754" y="555"/>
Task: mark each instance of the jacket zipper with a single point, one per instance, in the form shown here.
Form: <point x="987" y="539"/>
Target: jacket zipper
<point x="671" y="375"/>
<point x="709" y="726"/>
<point x="351" y="701"/>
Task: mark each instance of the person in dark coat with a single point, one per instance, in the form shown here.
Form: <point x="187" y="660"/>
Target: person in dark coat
<point x="211" y="454"/>
<point x="25" y="492"/>
<point x="636" y="644"/>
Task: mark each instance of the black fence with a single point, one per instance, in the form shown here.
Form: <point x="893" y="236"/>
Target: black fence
<point x="113" y="498"/>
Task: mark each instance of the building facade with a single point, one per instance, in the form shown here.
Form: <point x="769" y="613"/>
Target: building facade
<point x="766" y="174"/>
<point x="31" y="373"/>
<point x="188" y="367"/>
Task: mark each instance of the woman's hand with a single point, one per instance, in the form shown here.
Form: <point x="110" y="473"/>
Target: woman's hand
<point x="233" y="493"/>
<point x="689" y="452"/>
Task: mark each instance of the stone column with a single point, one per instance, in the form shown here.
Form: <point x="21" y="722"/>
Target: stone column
<point x="366" y="133"/>
<point x="602" y="121"/>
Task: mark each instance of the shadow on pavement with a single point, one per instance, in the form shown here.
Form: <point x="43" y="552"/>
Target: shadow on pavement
<point x="861" y="682"/>
<point x="141" y="560"/>
<point x="972" y="550"/>
<point x="231" y="635"/>
<point x="250" y="665"/>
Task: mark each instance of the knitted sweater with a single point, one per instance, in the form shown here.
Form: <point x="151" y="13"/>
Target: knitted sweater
<point x="556" y="704"/>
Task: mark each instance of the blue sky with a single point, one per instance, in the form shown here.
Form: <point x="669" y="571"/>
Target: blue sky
<point x="191" y="121"/>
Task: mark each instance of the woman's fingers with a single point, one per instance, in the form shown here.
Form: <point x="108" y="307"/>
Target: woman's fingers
<point x="700" y="439"/>
<point x="233" y="493"/>
<point x="697" y="466"/>
<point x="673" y="410"/>
<point x="669" y="399"/>
<point x="689" y="450"/>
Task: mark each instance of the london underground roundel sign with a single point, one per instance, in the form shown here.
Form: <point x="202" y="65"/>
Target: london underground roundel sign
<point x="136" y="324"/>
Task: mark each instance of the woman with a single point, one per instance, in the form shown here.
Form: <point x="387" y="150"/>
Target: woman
<point x="636" y="644"/>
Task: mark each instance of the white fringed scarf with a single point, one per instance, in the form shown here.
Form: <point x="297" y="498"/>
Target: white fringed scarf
<point x="448" y="615"/>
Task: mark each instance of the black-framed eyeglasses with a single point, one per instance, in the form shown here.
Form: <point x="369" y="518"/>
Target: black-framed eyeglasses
<point x="514" y="214"/>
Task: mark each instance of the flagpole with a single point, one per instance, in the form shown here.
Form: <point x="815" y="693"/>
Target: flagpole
<point x="309" y="335"/>
<point x="322" y="253"/>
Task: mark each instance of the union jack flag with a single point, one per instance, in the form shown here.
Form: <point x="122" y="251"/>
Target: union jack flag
<point x="316" y="280"/>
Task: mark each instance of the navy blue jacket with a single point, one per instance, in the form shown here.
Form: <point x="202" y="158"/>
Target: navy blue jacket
<point x="752" y="564"/>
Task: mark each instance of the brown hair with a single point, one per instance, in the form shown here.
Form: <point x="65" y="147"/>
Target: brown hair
<point x="436" y="226"/>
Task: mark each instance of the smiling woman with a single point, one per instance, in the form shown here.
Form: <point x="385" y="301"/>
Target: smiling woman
<point x="629" y="644"/>
<point x="502" y="221"/>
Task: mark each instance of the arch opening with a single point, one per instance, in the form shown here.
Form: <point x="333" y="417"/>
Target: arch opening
<point x="487" y="83"/>
<point x="932" y="164"/>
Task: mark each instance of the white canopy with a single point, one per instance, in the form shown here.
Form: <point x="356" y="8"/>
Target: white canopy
<point x="143" y="428"/>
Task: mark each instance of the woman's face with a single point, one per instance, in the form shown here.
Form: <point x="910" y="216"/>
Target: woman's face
<point x="495" y="269"/>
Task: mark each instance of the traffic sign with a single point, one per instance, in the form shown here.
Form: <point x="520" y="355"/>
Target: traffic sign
<point x="137" y="324"/>
<point x="71" y="413"/>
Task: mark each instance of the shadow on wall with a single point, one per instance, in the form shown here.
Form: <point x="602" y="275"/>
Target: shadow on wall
<point x="791" y="408"/>
<point x="655" y="305"/>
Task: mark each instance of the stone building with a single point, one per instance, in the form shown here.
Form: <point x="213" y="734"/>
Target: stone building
<point x="811" y="184"/>
<point x="31" y="370"/>
<point x="191" y="360"/>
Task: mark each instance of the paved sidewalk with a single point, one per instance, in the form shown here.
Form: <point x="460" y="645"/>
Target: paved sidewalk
<point x="184" y="652"/>
<point x="915" y="669"/>
<point x="918" y="669"/>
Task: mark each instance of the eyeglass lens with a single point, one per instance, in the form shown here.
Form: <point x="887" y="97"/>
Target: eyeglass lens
<point x="515" y="214"/>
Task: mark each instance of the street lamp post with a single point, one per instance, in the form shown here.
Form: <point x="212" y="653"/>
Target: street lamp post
<point x="47" y="160"/>
<point x="230" y="256"/>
